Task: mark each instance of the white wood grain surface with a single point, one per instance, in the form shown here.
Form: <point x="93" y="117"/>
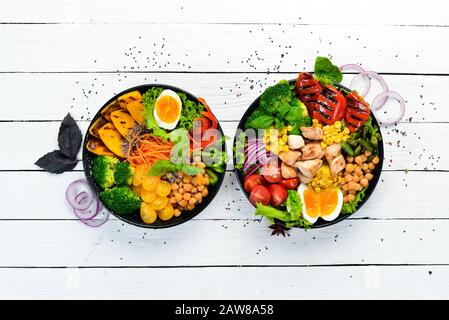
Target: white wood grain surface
<point x="72" y="56"/>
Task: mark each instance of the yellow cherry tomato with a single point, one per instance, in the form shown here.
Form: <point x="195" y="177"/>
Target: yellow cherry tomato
<point x="139" y="175"/>
<point x="166" y="213"/>
<point x="137" y="189"/>
<point x="163" y="188"/>
<point x="159" y="203"/>
<point x="150" y="183"/>
<point x="147" y="213"/>
<point x="147" y="196"/>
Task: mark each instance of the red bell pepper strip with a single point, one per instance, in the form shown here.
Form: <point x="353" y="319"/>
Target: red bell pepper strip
<point x="357" y="111"/>
<point x="307" y="88"/>
<point x="330" y="106"/>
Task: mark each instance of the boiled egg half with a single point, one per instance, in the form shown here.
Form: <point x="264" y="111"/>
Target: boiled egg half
<point x="326" y="203"/>
<point x="167" y="109"/>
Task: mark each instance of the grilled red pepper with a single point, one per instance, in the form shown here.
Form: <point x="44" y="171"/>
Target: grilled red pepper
<point x="307" y="88"/>
<point x="329" y="107"/>
<point x="357" y="111"/>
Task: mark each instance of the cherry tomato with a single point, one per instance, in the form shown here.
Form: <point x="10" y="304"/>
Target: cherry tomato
<point x="278" y="194"/>
<point x="260" y="194"/>
<point x="147" y="213"/>
<point x="252" y="181"/>
<point x="271" y="172"/>
<point x="290" y="183"/>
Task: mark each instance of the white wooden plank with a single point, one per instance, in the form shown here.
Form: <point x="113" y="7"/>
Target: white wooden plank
<point x="366" y="282"/>
<point x="71" y="243"/>
<point x="50" y="96"/>
<point x="410" y="146"/>
<point x="232" y="11"/>
<point x="391" y="199"/>
<point x="70" y="47"/>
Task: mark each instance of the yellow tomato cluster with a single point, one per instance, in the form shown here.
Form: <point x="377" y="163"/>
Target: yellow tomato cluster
<point x="154" y="194"/>
<point x="324" y="179"/>
<point x="333" y="133"/>
<point x="276" y="139"/>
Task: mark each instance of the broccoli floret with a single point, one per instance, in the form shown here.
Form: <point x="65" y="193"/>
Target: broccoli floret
<point x="277" y="98"/>
<point x="123" y="174"/>
<point x="103" y="171"/>
<point x="121" y="200"/>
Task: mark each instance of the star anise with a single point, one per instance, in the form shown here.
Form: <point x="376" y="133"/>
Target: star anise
<point x="278" y="229"/>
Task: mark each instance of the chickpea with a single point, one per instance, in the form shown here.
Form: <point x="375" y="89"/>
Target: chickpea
<point x="363" y="157"/>
<point x="192" y="200"/>
<point x="364" y="166"/>
<point x="173" y="200"/>
<point x="376" y="160"/>
<point x="351" y="197"/>
<point x="369" y="176"/>
<point x="353" y="186"/>
<point x="186" y="196"/>
<point x="174" y="186"/>
<point x="195" y="181"/>
<point x="206" y="181"/>
<point x="183" y="203"/>
<point x="190" y="206"/>
<point x="200" y="188"/>
<point x="351" y="192"/>
<point x="359" y="160"/>
<point x="187" y="179"/>
<point x="194" y="190"/>
<point x="368" y="153"/>
<point x="350" y="159"/>
<point x="371" y="166"/>
<point x="177" y="213"/>
<point x="348" y="178"/>
<point x="205" y="192"/>
<point x="349" y="167"/>
<point x="198" y="196"/>
<point x="201" y="165"/>
<point x="181" y="190"/>
<point x="364" y="182"/>
<point x="346" y="187"/>
<point x="188" y="187"/>
<point x="345" y="199"/>
<point x="355" y="178"/>
<point x="178" y="197"/>
<point x="358" y="170"/>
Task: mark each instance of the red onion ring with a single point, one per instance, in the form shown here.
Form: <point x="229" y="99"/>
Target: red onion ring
<point x="90" y="212"/>
<point x="79" y="195"/>
<point x="379" y="78"/>
<point x="366" y="78"/>
<point x="95" y="223"/>
<point x="378" y="103"/>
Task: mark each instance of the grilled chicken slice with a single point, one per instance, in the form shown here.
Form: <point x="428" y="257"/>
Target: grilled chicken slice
<point x="289" y="157"/>
<point x="309" y="167"/>
<point x="312" y="151"/>
<point x="337" y="165"/>
<point x="312" y="133"/>
<point x="295" y="142"/>
<point x="332" y="152"/>
<point x="288" y="172"/>
<point x="304" y="179"/>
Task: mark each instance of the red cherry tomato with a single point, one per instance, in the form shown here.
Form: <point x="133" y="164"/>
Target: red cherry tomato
<point x="290" y="183"/>
<point x="271" y="172"/>
<point x="260" y="194"/>
<point x="278" y="194"/>
<point x="252" y="181"/>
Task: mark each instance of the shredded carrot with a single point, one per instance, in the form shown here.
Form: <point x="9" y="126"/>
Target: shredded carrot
<point x="147" y="149"/>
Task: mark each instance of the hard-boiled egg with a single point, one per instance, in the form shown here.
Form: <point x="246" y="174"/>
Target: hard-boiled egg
<point x="167" y="109"/>
<point x="325" y="203"/>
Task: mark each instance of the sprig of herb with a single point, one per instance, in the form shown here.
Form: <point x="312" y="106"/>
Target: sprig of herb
<point x="69" y="141"/>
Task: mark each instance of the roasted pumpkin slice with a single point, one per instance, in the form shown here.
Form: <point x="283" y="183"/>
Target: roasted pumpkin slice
<point x="112" y="139"/>
<point x="96" y="126"/>
<point x="136" y="110"/>
<point x="97" y="146"/>
<point x="123" y="122"/>
<point x="129" y="97"/>
<point x="113" y="106"/>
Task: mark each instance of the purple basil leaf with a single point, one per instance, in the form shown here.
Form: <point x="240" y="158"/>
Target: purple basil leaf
<point x="69" y="137"/>
<point x="56" y="162"/>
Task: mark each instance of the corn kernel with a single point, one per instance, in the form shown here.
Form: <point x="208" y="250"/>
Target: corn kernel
<point x="346" y="130"/>
<point x="289" y="128"/>
<point x="285" y="137"/>
<point x="323" y="145"/>
<point x="268" y="147"/>
<point x="282" y="142"/>
<point x="337" y="124"/>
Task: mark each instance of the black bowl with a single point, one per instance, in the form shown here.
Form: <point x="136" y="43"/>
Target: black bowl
<point x="373" y="183"/>
<point x="134" y="218"/>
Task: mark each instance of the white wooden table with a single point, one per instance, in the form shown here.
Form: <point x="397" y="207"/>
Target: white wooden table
<point x="73" y="55"/>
